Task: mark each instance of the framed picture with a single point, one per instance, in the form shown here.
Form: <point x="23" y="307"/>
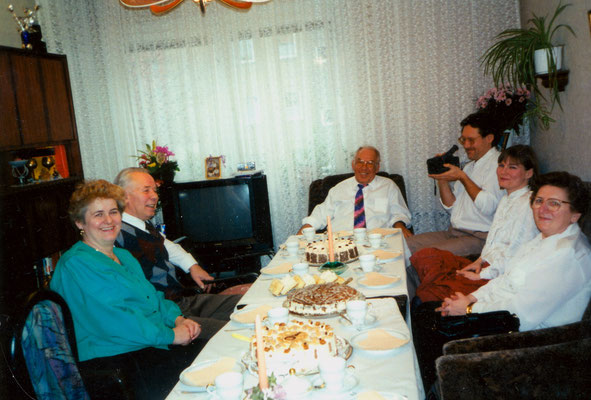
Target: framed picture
<point x="213" y="167"/>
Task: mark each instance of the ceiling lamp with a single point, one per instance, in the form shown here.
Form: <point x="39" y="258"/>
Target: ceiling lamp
<point x="161" y="6"/>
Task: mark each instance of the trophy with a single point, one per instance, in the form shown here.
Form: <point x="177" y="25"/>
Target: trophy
<point x="19" y="170"/>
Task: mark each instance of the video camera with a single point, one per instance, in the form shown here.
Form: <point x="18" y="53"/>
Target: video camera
<point x="435" y="164"/>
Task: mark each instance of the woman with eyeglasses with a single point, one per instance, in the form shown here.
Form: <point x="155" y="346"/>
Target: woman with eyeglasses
<point x="546" y="283"/>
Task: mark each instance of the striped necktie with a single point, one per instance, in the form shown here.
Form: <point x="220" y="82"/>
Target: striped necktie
<point x="359" y="216"/>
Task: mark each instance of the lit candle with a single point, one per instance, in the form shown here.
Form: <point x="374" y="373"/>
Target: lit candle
<point x="258" y="330"/>
<point x="329" y="233"/>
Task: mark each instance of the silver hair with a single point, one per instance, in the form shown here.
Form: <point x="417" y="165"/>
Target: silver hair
<point x="378" y="158"/>
<point x="123" y="178"/>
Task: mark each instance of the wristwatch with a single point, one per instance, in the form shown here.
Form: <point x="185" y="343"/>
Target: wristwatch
<point x="469" y="308"/>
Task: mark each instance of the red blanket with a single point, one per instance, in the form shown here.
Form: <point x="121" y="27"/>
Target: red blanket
<point x="437" y="271"/>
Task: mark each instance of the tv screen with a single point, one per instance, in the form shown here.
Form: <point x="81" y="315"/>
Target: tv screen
<point x="216" y="213"/>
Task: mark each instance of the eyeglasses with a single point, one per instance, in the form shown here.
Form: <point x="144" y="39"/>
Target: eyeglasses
<point x="552" y="204"/>
<point x="470" y="141"/>
<point x="363" y="163"/>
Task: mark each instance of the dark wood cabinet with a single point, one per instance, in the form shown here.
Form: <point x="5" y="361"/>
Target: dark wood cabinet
<point x="36" y="112"/>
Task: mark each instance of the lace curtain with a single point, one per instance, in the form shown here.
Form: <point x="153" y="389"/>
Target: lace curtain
<point x="295" y="86"/>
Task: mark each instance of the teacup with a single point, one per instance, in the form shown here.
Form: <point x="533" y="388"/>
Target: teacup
<point x="360" y="234"/>
<point x="367" y="262"/>
<point x="332" y="372"/>
<point x="292" y="247"/>
<point x="300" y="269"/>
<point x="356" y="311"/>
<point x="309" y="233"/>
<point x="228" y="386"/>
<point x="277" y="315"/>
<point x="375" y="239"/>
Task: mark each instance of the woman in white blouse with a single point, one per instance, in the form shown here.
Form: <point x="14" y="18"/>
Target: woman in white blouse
<point x="512" y="226"/>
<point x="548" y="281"/>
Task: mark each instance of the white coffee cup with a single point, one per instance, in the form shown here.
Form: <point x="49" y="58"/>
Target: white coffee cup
<point x="356" y="311"/>
<point x="300" y="269"/>
<point x="228" y="386"/>
<point x="332" y="372"/>
<point x="360" y="234"/>
<point x="278" y="315"/>
<point x="367" y="262"/>
<point x="375" y="239"/>
<point x="292" y="247"/>
<point x="309" y="233"/>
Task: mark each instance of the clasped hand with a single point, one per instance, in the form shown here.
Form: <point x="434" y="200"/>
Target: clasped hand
<point x="185" y="331"/>
<point x="456" y="304"/>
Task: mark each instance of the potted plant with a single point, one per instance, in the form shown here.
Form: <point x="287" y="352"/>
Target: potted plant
<point x="511" y="60"/>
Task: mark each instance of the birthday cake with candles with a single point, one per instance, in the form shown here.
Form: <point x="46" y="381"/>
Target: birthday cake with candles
<point x="297" y="344"/>
<point x="344" y="251"/>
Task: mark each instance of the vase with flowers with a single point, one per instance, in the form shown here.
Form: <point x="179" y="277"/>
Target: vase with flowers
<point x="156" y="159"/>
<point x="507" y="106"/>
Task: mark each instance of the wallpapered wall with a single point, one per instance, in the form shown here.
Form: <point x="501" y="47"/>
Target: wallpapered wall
<point x="567" y="144"/>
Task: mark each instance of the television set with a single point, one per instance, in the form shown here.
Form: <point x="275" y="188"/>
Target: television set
<point x="225" y="215"/>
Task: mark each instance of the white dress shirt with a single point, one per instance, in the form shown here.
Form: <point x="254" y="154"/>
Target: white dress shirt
<point x="512" y="226"/>
<point x="382" y="201"/>
<point x="547" y="283"/>
<point x="477" y="215"/>
<point x="176" y="254"/>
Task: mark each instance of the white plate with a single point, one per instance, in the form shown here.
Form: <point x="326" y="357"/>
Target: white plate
<point x="186" y="385"/>
<point x="388" y="395"/>
<point x="356" y="339"/>
<point x="386" y="260"/>
<point x="361" y="279"/>
<point x="242" y="311"/>
<point x="265" y="271"/>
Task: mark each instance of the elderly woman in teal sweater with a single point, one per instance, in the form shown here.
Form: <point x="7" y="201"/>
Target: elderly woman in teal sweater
<point x="120" y="320"/>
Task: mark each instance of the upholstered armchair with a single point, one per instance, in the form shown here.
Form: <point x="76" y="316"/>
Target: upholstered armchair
<point x="320" y="187"/>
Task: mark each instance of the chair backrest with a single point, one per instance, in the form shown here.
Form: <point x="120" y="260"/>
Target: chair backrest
<point x="45" y="342"/>
<point x="320" y="187"/>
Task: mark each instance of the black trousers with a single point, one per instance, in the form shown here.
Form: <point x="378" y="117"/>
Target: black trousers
<point x="150" y="373"/>
<point x="427" y="340"/>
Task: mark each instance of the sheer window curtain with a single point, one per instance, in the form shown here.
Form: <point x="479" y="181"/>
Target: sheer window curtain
<point x="295" y="85"/>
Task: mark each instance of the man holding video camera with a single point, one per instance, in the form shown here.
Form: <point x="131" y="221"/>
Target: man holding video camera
<point x="470" y="194"/>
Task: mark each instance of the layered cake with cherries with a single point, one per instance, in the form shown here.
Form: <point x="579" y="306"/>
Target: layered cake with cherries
<point x="321" y="300"/>
<point x="344" y="251"/>
<point x="297" y="344"/>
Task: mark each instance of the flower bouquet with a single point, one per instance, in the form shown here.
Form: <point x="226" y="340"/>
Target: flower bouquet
<point x="156" y="159"/>
<point x="506" y="105"/>
<point x="273" y="392"/>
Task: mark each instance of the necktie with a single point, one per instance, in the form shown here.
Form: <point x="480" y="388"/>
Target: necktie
<point x="359" y="216"/>
<point x="152" y="229"/>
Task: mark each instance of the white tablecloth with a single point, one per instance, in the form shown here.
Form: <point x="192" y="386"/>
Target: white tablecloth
<point x="394" y="374"/>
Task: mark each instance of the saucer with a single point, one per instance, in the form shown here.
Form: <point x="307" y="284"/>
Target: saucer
<point x="370" y="321"/>
<point x="351" y="382"/>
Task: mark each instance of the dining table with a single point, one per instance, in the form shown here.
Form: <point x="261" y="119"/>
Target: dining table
<point x="393" y="374"/>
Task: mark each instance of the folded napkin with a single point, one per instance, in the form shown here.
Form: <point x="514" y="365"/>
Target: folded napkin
<point x="386" y="255"/>
<point x="384" y="231"/>
<point x="379" y="339"/>
<point x="370" y="395"/>
<point x="206" y="375"/>
<point x="377" y="279"/>
<point x="248" y="317"/>
<point x="284" y="268"/>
